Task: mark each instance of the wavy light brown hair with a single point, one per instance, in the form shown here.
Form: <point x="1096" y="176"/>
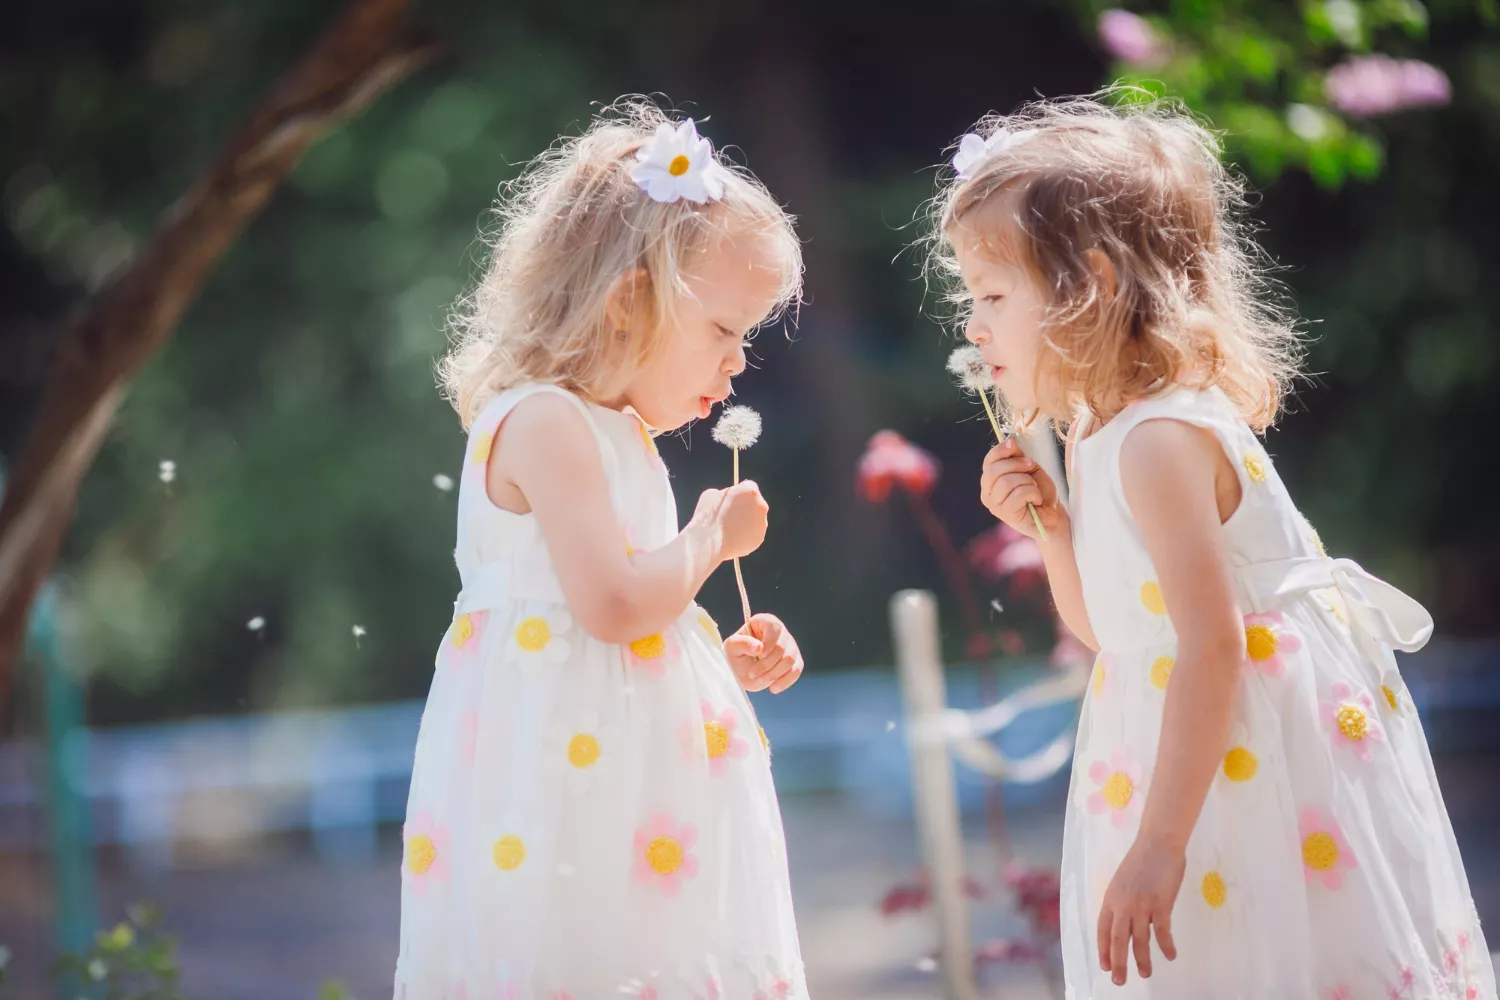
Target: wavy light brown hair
<point x="1143" y="183"/>
<point x="568" y="226"/>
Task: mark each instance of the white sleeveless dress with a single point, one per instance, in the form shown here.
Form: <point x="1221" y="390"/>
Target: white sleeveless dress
<point x="1323" y="864"/>
<point x="586" y="820"/>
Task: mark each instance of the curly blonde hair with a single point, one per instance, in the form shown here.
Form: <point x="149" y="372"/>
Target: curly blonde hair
<point x="569" y="226"/>
<point x="1141" y="181"/>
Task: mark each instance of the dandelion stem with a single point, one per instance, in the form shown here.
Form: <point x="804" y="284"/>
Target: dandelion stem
<point x="739" y="576"/>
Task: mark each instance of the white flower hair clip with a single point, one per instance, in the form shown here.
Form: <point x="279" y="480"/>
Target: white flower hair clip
<point x="974" y="150"/>
<point x="678" y="163"/>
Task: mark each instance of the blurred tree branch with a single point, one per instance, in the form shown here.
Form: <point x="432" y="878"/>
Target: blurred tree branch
<point x="367" y="49"/>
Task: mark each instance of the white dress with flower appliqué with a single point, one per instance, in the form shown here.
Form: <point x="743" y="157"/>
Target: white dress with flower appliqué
<point x="586" y="820"/>
<point x="1323" y="864"/>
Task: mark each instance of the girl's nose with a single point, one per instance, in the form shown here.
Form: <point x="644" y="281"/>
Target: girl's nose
<point x="974" y="333"/>
<point x="734" y="363"/>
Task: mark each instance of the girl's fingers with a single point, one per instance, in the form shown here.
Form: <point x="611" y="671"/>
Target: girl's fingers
<point x="765" y="671"/>
<point x="790" y="674"/>
<point x="1164" y="937"/>
<point x="1140" y="929"/>
<point x="1106" y="923"/>
<point x="1119" y="949"/>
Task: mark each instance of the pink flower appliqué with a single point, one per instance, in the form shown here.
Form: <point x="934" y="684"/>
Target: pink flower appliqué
<point x="426" y="852"/>
<point x="651" y="654"/>
<point x="1351" y="720"/>
<point x="1340" y="991"/>
<point x="1119" y="792"/>
<point x="1266" y="640"/>
<point x="663" y="854"/>
<point x="1325" y="852"/>
<point x="720" y="740"/>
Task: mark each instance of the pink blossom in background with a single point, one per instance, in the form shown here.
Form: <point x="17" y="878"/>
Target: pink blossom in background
<point x="891" y="460"/>
<point x="1130" y="39"/>
<point x="1368" y="86"/>
<point x="1003" y="553"/>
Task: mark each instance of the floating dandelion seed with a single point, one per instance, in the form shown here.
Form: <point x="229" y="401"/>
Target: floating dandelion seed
<point x="442" y="482"/>
<point x="256" y="624"/>
<point x="167" y="471"/>
<point x="973" y="373"/>
<point x="737" y="429"/>
<point x="359" y="633"/>
<point x="890" y="725"/>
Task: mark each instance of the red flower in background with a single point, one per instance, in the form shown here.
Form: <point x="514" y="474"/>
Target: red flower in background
<point x="1003" y="553"/>
<point x="891" y="460"/>
<point x="917" y="894"/>
<point x="1037" y="896"/>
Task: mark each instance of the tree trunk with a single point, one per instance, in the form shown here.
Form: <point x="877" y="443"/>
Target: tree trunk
<point x="363" y="52"/>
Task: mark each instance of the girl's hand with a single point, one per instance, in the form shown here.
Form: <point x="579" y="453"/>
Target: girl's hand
<point x="739" y="513"/>
<point x="1139" y="897"/>
<point x="1010" y="481"/>
<point x="764" y="655"/>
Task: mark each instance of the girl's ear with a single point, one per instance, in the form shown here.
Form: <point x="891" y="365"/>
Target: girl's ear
<point x="1104" y="273"/>
<point x="626" y="301"/>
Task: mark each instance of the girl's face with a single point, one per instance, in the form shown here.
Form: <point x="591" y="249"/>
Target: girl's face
<point x="1007" y="318"/>
<point x="730" y="289"/>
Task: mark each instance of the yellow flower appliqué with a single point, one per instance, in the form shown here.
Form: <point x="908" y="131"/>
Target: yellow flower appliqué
<point x="716" y="734"/>
<point x="1161" y="672"/>
<point x="483" y="445"/>
<point x="421" y="852"/>
<point x="533" y="634"/>
<point x="508" y="852"/>
<point x="1353" y="722"/>
<point x="708" y="626"/>
<point x="664" y="855"/>
<point x="1100" y="672"/>
<point x="650" y="648"/>
<point x="1320" y="852"/>
<point x="463" y="630"/>
<point x="1214" y="890"/>
<point x="1254" y="467"/>
<point x="1152" y="599"/>
<point x="583" y="750"/>
<point x="1240" y="764"/>
<point x="541" y="635"/>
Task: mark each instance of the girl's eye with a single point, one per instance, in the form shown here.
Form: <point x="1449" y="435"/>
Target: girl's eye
<point x="726" y="331"/>
<point x="993" y="299"/>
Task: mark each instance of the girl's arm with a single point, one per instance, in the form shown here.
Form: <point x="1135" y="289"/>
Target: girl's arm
<point x="546" y="461"/>
<point x="1010" y="481"/>
<point x="1176" y="480"/>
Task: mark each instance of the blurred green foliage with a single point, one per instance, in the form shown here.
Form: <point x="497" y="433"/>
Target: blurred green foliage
<point x="298" y="401"/>
<point x="135" y="960"/>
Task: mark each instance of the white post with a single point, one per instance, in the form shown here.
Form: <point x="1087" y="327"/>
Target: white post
<point x="914" y="624"/>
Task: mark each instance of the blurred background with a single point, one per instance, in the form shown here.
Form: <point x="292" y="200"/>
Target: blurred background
<point x="224" y="666"/>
